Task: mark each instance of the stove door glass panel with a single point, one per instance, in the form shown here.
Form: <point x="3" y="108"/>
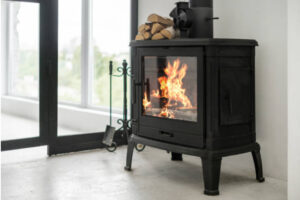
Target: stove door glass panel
<point x="170" y="87"/>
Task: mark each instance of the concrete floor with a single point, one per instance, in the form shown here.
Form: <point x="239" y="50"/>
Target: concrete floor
<point x="29" y="174"/>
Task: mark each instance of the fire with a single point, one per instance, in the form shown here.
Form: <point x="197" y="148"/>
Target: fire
<point x="146" y="102"/>
<point x="171" y="92"/>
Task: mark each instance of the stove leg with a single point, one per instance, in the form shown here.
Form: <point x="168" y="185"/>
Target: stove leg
<point x="258" y="166"/>
<point x="211" y="174"/>
<point x="130" y="149"/>
<point x="176" y="156"/>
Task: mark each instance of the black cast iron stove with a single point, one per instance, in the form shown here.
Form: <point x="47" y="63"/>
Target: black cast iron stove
<point x="195" y="96"/>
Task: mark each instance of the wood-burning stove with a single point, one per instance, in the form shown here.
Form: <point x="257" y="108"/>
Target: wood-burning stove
<point x="197" y="97"/>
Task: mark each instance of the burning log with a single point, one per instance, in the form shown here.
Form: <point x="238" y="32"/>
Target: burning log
<point x="170" y="99"/>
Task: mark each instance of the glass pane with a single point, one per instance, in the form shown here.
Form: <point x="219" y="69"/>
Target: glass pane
<point x="111" y="35"/>
<point x="20" y="63"/>
<point x="170" y="87"/>
<point x="69" y="56"/>
<point x="107" y="44"/>
<point x="23" y="61"/>
<point x="69" y="66"/>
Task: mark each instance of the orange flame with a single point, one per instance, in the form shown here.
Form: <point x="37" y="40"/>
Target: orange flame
<point x="171" y="92"/>
<point x="146" y="102"/>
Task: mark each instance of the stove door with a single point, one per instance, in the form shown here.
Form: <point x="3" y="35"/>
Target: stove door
<point x="170" y="96"/>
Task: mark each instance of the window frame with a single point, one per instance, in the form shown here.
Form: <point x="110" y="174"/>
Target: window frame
<point x="48" y="89"/>
<point x="44" y="82"/>
<point x="4" y="48"/>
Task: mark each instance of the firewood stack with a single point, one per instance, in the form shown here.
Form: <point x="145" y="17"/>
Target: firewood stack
<point x="157" y="28"/>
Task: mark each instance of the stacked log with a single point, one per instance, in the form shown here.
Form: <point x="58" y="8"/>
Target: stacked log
<point x="157" y="28"/>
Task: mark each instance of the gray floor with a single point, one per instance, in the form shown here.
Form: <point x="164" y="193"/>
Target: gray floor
<point x="29" y="174"/>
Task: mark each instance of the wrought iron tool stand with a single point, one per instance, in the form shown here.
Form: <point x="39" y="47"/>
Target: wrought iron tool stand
<point x="124" y="72"/>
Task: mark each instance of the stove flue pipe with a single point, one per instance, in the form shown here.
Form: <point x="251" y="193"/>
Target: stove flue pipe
<point x="202" y="26"/>
<point x="201" y="3"/>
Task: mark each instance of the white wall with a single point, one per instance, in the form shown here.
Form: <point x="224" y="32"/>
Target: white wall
<point x="265" y="21"/>
<point x="294" y="99"/>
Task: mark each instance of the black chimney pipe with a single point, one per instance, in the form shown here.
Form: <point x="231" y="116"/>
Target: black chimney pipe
<point x="201" y="3"/>
<point x="202" y="26"/>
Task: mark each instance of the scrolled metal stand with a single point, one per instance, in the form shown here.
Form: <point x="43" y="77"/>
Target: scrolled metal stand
<point x="125" y="72"/>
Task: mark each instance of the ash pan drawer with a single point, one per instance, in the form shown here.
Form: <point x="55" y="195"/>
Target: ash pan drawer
<point x="172" y="137"/>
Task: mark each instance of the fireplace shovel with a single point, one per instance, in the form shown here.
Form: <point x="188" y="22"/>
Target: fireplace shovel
<point x="108" y="137"/>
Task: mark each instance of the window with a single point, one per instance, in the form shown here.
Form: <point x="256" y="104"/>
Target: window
<point x="69" y="51"/>
<point x="90" y="34"/>
<point x="20" y="68"/>
<point x="20" y="53"/>
<point x="110" y="42"/>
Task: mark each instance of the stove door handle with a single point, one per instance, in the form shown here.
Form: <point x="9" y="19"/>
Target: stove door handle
<point x="135" y="84"/>
<point x="166" y="134"/>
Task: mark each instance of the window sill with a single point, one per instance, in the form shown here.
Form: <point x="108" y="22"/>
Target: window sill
<point x="73" y="117"/>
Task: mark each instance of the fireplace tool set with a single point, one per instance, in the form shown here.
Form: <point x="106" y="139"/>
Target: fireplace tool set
<point x="110" y="131"/>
